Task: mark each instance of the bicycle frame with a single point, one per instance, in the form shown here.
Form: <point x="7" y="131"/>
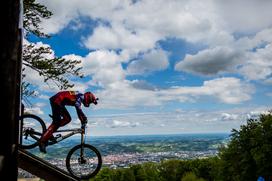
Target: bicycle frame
<point x="83" y="156"/>
<point x="72" y="132"/>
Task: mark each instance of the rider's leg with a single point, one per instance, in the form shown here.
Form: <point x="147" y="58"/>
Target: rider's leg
<point x="46" y="136"/>
<point x="56" y="110"/>
<point x="49" y="132"/>
<point x="66" y="118"/>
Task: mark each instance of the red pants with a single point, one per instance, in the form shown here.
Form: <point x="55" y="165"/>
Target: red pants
<point x="60" y="117"/>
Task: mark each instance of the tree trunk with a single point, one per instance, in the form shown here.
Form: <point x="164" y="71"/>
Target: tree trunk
<point x="10" y="53"/>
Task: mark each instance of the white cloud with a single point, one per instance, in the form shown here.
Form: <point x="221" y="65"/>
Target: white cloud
<point x="73" y="57"/>
<point x="213" y="23"/>
<point x="125" y="95"/>
<point x="244" y="15"/>
<point x="259" y="64"/>
<point x="104" y="66"/>
<point x="118" y="37"/>
<point x="45" y="97"/>
<point x="123" y="28"/>
<point x="229" y="117"/>
<point x="152" y="61"/>
<point x="211" y="61"/>
<point x="117" y="124"/>
<point x="36" y="109"/>
<point x="63" y="13"/>
<point x="249" y="57"/>
<point x="227" y="90"/>
<point x="153" y="20"/>
<point x="183" y="121"/>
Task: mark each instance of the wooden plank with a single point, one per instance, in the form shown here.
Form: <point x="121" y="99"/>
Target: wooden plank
<point x="42" y="168"/>
<point x="10" y="74"/>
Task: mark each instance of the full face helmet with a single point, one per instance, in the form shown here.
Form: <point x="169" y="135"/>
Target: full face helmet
<point x="88" y="99"/>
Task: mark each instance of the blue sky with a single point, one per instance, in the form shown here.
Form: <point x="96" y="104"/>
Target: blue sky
<point x="162" y="67"/>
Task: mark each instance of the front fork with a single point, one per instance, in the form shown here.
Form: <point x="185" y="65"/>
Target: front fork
<point x="81" y="159"/>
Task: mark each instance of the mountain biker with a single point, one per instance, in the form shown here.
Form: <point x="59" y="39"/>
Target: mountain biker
<point x="61" y="116"/>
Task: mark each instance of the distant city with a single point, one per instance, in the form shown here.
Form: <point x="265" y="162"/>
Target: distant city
<point x="124" y="151"/>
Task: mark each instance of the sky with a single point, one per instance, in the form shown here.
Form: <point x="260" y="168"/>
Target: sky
<point x="162" y="66"/>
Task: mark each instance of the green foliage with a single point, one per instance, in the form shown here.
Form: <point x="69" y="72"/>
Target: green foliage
<point x="33" y="13"/>
<point x="248" y="154"/>
<point x="104" y="175"/>
<point x="55" y="69"/>
<point x="41" y="59"/>
<point x="146" y="172"/>
<point x="127" y="175"/>
<point x="170" y="170"/>
<point x="190" y="176"/>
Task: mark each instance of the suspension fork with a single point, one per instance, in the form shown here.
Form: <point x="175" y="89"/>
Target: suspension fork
<point x="82" y="141"/>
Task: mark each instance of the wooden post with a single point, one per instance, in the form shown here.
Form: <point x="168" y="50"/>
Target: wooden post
<point x="10" y="73"/>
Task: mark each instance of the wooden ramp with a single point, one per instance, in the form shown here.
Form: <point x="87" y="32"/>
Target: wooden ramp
<point x="42" y="168"/>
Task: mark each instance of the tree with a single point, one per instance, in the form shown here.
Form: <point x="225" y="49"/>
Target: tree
<point x="104" y="175"/>
<point x="127" y="175"/>
<point x="39" y="58"/>
<point x="190" y="176"/>
<point x="248" y="154"/>
<point x="172" y="169"/>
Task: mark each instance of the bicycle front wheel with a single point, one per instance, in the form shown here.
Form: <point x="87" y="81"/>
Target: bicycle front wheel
<point x="83" y="161"/>
<point x="31" y="131"/>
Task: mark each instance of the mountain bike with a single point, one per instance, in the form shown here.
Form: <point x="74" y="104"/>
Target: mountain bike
<point x="83" y="161"/>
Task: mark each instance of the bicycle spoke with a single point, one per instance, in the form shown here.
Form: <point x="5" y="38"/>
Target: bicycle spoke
<point x="80" y="168"/>
<point x="86" y="165"/>
<point x="32" y="129"/>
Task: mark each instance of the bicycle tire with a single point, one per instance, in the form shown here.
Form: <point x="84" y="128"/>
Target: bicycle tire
<point x="31" y="120"/>
<point x="91" y="172"/>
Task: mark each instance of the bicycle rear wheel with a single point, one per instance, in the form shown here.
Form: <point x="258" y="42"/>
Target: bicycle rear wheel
<point x="32" y="129"/>
<point x="85" y="165"/>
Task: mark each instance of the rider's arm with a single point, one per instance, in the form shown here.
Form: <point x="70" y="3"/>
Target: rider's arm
<point x="79" y="111"/>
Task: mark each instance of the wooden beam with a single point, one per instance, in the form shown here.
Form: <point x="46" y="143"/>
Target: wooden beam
<point x="42" y="168"/>
<point x="10" y="73"/>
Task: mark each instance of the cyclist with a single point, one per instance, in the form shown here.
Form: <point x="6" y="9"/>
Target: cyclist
<point x="60" y="114"/>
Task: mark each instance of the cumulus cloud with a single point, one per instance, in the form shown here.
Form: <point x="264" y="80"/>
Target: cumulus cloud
<point x="190" y="20"/>
<point x="104" y="66"/>
<point x="211" y="61"/>
<point x="227" y="90"/>
<point x="142" y="84"/>
<point x="121" y="27"/>
<point x="247" y="56"/>
<point x="259" y="64"/>
<point x="244" y="15"/>
<point x="149" y="62"/>
<point x="129" y="32"/>
<point x="126" y="95"/>
<point x="118" y="37"/>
